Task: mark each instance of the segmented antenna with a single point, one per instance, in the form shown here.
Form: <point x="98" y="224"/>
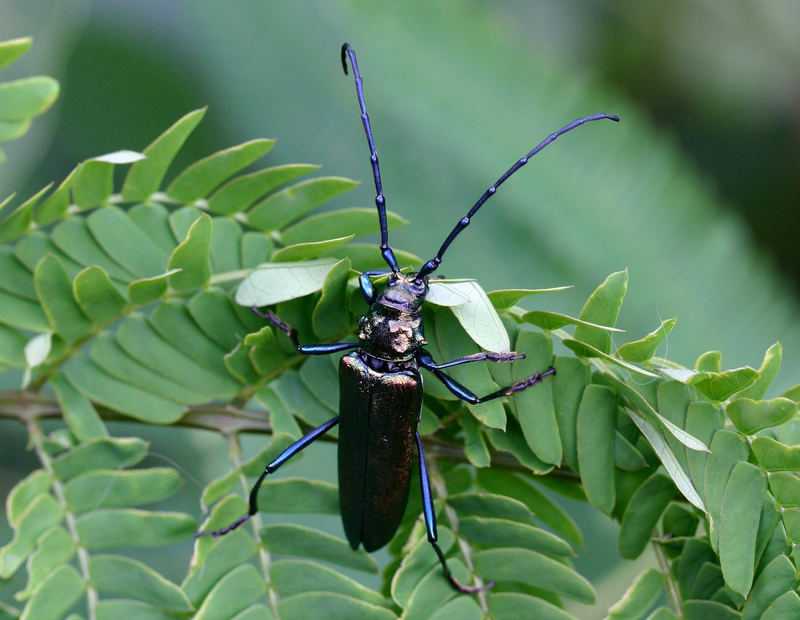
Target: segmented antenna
<point x="380" y="201"/>
<point x="433" y="264"/>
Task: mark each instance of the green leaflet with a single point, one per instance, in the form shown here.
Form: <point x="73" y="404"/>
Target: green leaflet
<point x="39" y="516"/>
<point x="354" y="221"/>
<point x="497" y="532"/>
<point x="506" y="298"/>
<point x="298" y="495"/>
<point x="112" y="489"/>
<point x="293" y="577"/>
<point x="416" y="563"/>
<point x="117" y="575"/>
<point x="23" y="494"/>
<point x="739" y="517"/>
<point x="535" y="569"/>
<point x="55" y="294"/>
<point x="595" y="437"/>
<point x="511" y="605"/>
<point x="108" y="528"/>
<point x="640" y="597"/>
<point x="27" y="97"/>
<point x="201" y="177"/>
<point x="602" y="308"/>
<point x="290" y="204"/>
<point x="18" y="222"/>
<point x="12" y="49"/>
<point x="642" y="350"/>
<point x="534" y="406"/>
<point x="331" y="605"/>
<point x="56" y="595"/>
<point x="191" y="257"/>
<point x="145" y="176"/>
<point x="750" y="416"/>
<point x="308" y="251"/>
<point x="55" y="547"/>
<point x="240" y="193"/>
<point x="308" y="543"/>
<point x="97" y="296"/>
<point x="233" y="593"/>
<point x="642" y="513"/>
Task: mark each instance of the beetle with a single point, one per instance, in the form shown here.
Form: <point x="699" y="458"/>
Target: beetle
<point x="380" y="384"/>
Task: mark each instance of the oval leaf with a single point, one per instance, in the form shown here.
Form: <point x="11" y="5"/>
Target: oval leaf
<point x="272" y="283"/>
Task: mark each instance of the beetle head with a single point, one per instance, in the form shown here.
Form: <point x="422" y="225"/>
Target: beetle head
<point x="404" y="292"/>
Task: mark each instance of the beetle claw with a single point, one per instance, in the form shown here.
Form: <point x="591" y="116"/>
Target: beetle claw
<point x="467" y="589"/>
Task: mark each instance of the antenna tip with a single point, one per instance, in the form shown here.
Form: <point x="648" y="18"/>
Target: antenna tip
<point x="612" y="117"/>
<point x="345" y="49"/>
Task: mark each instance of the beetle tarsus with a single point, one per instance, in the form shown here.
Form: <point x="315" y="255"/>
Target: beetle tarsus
<point x="455" y="583"/>
<point x="224" y="530"/>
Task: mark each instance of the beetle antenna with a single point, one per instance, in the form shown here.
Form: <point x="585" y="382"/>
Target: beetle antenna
<point x="380" y="201"/>
<point x="433" y="264"/>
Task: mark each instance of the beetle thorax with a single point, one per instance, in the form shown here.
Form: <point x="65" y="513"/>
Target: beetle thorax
<point x="392" y="328"/>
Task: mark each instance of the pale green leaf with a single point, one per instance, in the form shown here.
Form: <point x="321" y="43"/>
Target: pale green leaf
<point x="271" y="283"/>
<point x="471" y="306"/>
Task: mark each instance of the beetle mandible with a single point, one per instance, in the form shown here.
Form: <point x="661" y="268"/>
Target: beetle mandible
<point x="380" y="384"/>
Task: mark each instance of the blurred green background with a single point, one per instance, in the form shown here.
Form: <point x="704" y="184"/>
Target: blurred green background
<point x="696" y="192"/>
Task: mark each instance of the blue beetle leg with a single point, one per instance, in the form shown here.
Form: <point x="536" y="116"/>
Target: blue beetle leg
<point x="284" y="456"/>
<point x="465" y="394"/>
<point x="425" y="359"/>
<point x="304" y="349"/>
<point x="430" y="524"/>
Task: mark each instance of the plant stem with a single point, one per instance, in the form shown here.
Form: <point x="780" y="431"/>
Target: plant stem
<point x="672" y="587"/>
<point x="264" y="558"/>
<point x="36" y="436"/>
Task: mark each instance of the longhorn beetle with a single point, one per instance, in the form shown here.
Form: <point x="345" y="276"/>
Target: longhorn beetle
<point x="380" y="385"/>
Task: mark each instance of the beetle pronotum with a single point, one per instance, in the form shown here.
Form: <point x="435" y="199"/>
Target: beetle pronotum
<point x="380" y="384"/>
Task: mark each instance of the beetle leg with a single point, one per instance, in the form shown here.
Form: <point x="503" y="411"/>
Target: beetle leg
<point x="426" y="361"/>
<point x="272" y="467"/>
<point x="304" y="349"/>
<point x="465" y="394"/>
<point x="430" y="524"/>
